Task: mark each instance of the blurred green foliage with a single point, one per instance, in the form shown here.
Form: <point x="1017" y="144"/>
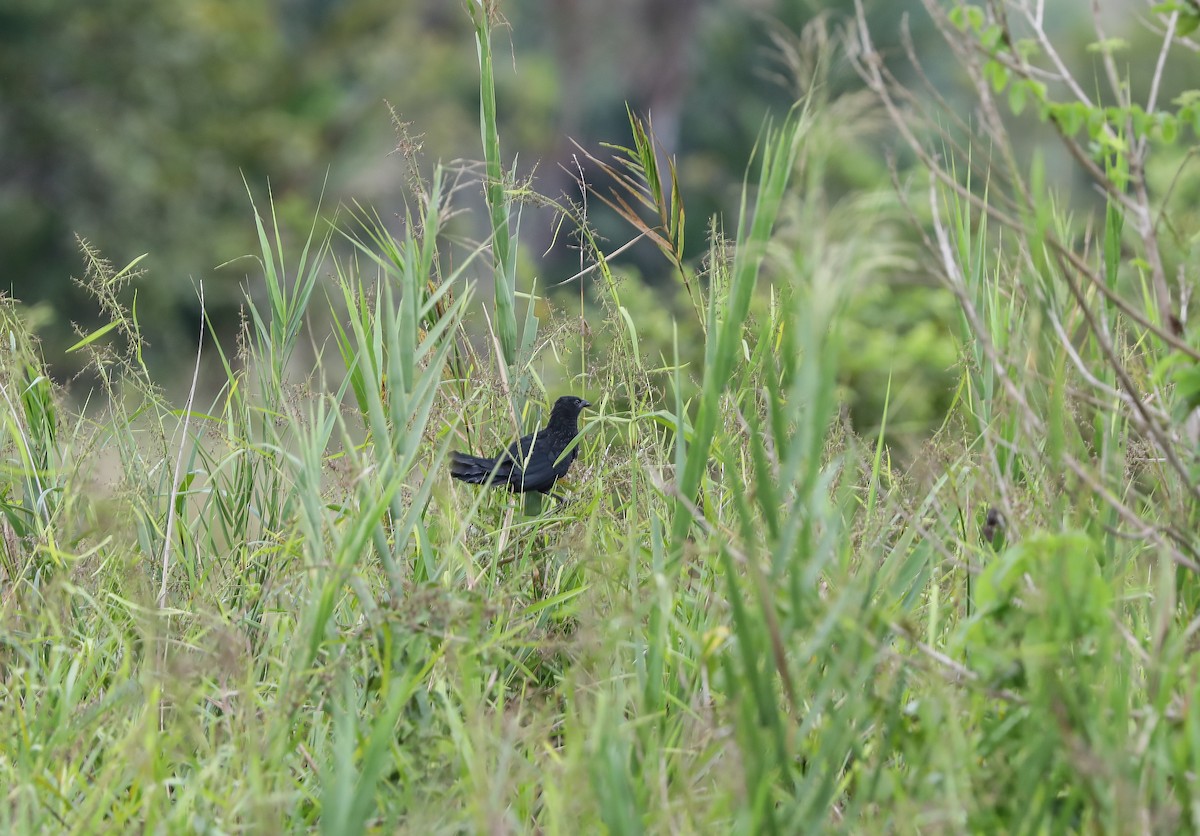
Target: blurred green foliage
<point x="132" y="123"/>
<point x="139" y="125"/>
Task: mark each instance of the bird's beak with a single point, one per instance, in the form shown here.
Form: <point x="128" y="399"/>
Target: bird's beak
<point x="584" y="404"/>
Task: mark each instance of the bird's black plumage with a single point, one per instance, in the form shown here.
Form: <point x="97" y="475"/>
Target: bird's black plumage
<point x="535" y="462"/>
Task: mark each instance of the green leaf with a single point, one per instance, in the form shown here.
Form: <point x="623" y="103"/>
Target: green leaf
<point x="965" y="17"/>
<point x="1168" y="126"/>
<point x="996" y="74"/>
<point x="991" y="37"/>
<point x="92" y="337"/>
<point x="1028" y="48"/>
<point x="1187" y="385"/>
<point x="1109" y="45"/>
<point x="1016" y="98"/>
<point x="633" y="335"/>
<point x="181" y="492"/>
<point x="1071" y="117"/>
<point x="975" y="17"/>
<point x="1141" y="121"/>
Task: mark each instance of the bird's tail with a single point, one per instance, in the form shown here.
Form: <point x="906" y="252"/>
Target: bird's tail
<point x="473" y="469"/>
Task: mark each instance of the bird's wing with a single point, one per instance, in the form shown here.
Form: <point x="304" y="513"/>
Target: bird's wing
<point x="519" y="449"/>
<point x="539" y="473"/>
<point x="538" y="458"/>
<point x="534" y="468"/>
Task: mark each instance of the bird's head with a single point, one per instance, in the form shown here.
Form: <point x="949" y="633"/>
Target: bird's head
<point x="569" y="406"/>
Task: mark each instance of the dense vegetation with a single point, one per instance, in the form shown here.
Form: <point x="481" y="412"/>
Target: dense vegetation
<point x="271" y="609"/>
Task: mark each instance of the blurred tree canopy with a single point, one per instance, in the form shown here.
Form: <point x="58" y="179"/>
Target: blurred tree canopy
<point x="133" y="123"/>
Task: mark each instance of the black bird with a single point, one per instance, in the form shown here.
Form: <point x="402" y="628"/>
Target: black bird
<point x="535" y="462"/>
